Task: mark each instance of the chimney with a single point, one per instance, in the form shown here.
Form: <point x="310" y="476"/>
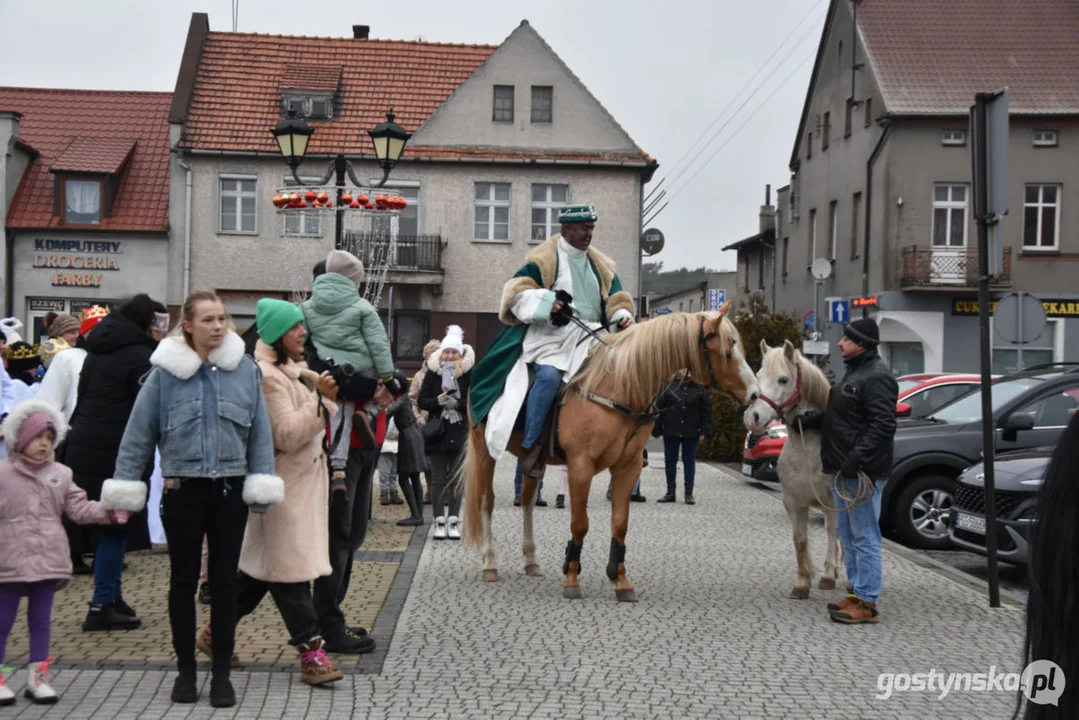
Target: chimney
<point x="768" y="212"/>
<point x="361" y="32"/>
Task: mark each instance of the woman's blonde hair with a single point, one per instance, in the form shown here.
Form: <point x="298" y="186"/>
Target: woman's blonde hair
<point x="187" y="312"/>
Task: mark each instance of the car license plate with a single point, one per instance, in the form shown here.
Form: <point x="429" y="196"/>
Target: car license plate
<point x="747" y="469"/>
<point x="971" y="523"/>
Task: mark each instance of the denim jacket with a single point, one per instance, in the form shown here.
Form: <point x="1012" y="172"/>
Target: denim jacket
<point x="208" y="420"/>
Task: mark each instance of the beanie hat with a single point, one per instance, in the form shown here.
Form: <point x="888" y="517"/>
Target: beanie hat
<point x="50" y="347"/>
<point x="863" y="331"/>
<point x="347" y="264"/>
<point x="454" y="340"/>
<point x="91" y="316"/>
<point x="22" y="356"/>
<point x="11" y="327"/>
<point x="275" y="317"/>
<point x="31" y="427"/>
<point x="63" y="324"/>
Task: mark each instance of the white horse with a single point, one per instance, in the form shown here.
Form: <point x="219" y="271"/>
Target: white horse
<point x="791" y="385"/>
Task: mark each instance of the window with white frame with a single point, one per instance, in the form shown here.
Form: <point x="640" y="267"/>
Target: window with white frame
<point x="1045" y="138"/>
<point x="1041" y="217"/>
<point x="953" y="137"/>
<point x="547" y="200"/>
<point x="1046" y="349"/>
<point x="950" y="215"/>
<point x="492" y="209"/>
<point x="238" y="204"/>
<point x="303" y="223"/>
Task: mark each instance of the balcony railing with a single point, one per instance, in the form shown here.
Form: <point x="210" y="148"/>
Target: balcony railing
<point x="943" y="267"/>
<point x="413" y="253"/>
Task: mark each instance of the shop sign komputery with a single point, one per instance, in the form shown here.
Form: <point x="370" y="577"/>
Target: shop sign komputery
<point x="76" y="263"/>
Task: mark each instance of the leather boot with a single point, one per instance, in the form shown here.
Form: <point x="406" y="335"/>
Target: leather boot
<point x="689" y="496"/>
<point x="222" y="693"/>
<point x="669" y="497"/>
<point x="532" y="463"/>
<point x="843" y="604"/>
<point x="857" y="613"/>
<point x="384" y="497"/>
<point x="395" y="498"/>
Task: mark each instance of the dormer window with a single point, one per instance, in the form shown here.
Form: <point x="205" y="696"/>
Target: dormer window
<point x="81" y="201"/>
<point x="312" y="106"/>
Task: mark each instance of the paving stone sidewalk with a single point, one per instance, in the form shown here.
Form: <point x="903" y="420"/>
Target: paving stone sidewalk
<point x="713" y="636"/>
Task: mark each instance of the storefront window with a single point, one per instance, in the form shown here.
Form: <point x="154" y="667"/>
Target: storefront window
<point x="905" y="358"/>
<point x="1041" y="351"/>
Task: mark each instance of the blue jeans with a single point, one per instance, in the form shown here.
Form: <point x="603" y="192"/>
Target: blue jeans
<point x="859" y="532"/>
<point x="671" y="445"/>
<point x="517" y="479"/>
<point x="109" y="566"/>
<point x="540" y="399"/>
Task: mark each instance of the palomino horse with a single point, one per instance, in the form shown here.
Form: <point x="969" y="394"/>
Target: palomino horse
<point x="789" y="386"/>
<point x="606" y="420"/>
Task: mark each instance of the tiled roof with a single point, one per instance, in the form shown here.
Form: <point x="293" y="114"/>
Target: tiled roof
<point x="237" y="97"/>
<point x="237" y="94"/>
<point x="931" y="57"/>
<point x="53" y="119"/>
<point x="93" y="155"/>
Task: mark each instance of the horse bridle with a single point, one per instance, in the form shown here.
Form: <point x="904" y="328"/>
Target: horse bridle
<point x="713" y="384"/>
<point x="790" y="402"/>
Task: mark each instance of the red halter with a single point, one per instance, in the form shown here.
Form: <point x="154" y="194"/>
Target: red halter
<point x="792" y="400"/>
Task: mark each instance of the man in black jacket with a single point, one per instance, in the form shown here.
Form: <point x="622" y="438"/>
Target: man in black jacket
<point x="857" y="431"/>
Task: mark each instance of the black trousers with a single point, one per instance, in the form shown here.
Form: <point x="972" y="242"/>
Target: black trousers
<point x="293" y="601"/>
<point x="348" y="528"/>
<point x="214" y="508"/>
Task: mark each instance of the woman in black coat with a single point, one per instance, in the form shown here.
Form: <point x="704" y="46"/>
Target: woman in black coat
<point x="686" y="422"/>
<point x="118" y="356"/>
<point x="443" y="395"/>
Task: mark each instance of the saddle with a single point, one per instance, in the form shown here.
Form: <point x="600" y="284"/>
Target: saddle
<point x="549" y="434"/>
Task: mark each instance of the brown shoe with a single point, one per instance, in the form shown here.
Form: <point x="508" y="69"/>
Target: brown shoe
<point x="204" y="644"/>
<point x="316" y="668"/>
<point x="843" y="604"/>
<point x="532" y="463"/>
<point x="859" y="612"/>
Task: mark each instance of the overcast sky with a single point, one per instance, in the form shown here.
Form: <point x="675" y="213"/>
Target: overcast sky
<point x="665" y="71"/>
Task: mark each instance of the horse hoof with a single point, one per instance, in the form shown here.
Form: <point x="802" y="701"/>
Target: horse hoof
<point x="629" y="596"/>
<point x="800" y="593"/>
<point x="826" y="583"/>
<point x="571" y="593"/>
<point x="490" y="576"/>
<point x="533" y="571"/>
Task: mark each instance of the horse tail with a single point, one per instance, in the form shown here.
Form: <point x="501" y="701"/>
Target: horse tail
<point x="476" y="482"/>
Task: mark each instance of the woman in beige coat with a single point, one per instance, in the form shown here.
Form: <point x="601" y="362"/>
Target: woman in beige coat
<point x="287" y="547"/>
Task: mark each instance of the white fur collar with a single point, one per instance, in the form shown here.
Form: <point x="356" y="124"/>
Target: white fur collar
<point x="21" y="412"/>
<point x="468" y="360"/>
<point x="174" y="355"/>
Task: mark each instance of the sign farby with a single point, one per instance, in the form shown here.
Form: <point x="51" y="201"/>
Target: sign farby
<point x="1054" y="308"/>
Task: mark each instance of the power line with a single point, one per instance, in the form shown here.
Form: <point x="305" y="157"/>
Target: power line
<point x="675" y="167"/>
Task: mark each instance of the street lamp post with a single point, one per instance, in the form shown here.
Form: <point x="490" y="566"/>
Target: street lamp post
<point x="293" y="135"/>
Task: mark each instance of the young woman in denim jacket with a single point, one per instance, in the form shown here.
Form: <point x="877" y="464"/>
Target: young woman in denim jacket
<point x="202" y="406"/>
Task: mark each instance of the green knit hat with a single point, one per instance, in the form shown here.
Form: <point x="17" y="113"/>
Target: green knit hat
<point x="275" y="318"/>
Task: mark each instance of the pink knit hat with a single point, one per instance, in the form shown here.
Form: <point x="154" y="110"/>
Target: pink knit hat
<point x="31" y="427"/>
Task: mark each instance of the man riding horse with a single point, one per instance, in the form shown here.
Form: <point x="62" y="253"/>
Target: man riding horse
<point x="564" y="278"/>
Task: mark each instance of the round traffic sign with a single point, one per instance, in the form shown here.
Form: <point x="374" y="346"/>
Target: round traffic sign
<point x="652" y="241"/>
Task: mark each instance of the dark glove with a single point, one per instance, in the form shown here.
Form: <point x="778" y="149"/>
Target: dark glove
<point x="393" y="385"/>
<point x="812" y="420"/>
<point x="849" y="468"/>
<point x="561" y="317"/>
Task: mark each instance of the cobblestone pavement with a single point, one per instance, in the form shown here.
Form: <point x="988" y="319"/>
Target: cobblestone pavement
<point x="713" y="635"/>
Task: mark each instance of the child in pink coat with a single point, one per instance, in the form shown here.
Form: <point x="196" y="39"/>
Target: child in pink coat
<point x="35" y="560"/>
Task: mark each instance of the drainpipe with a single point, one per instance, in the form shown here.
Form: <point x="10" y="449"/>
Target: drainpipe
<point x="187" y="229"/>
<point x="869" y="210"/>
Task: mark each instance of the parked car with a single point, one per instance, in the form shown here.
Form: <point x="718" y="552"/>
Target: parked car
<point x="919" y="395"/>
<point x="760" y="452"/>
<point x="1030" y="409"/>
<point x="1018" y="478"/>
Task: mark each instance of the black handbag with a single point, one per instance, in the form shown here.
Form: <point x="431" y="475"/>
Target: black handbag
<point x="433" y="430"/>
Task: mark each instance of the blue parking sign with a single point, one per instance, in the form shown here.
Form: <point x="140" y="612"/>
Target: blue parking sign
<point x="840" y="311"/>
<point x="716" y="298"/>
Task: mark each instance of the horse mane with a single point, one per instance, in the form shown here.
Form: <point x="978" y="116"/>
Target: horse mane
<point x="815" y="386"/>
<point x="641" y="359"/>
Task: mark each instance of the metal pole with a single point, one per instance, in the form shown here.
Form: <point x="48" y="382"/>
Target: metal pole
<point x="981" y="202"/>
<point x="339" y="164"/>
<point x="1019" y="334"/>
<point x="816" y="309"/>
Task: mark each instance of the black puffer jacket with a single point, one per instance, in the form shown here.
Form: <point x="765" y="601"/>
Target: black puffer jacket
<point x="118" y="356"/>
<point x="689" y="414"/>
<point x="859" y="423"/>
